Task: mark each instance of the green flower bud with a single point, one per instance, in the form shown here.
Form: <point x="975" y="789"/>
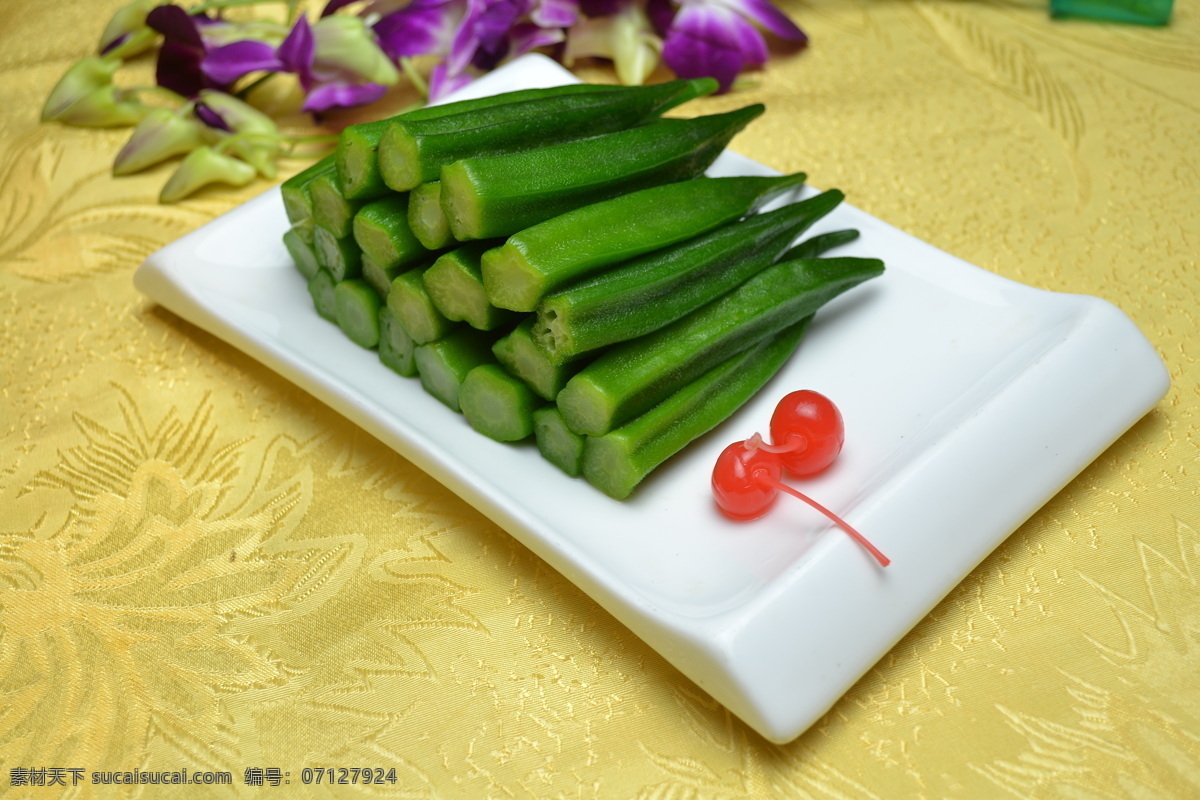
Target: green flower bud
<point x="344" y="44"/>
<point x="126" y="34"/>
<point x="160" y="135"/>
<point x="204" y="166"/>
<point x="239" y="116"/>
<point x="254" y="135"/>
<point x="86" y="96"/>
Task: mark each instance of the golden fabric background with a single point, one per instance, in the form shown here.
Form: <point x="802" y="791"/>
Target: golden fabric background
<point x="203" y="568"/>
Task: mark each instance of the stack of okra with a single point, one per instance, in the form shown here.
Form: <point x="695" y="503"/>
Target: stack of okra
<point x="553" y="263"/>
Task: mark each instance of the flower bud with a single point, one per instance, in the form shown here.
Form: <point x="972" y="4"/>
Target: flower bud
<point x="626" y="37"/>
<point x="127" y="33"/>
<point x="345" y="45"/>
<point x="204" y="166"/>
<point x="160" y="135"/>
<point x="255" y="136"/>
<point x="237" y="115"/>
<point x="636" y="48"/>
<point x="85" y="96"/>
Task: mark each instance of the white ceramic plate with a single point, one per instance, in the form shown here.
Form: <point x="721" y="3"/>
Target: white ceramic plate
<point x="969" y="401"/>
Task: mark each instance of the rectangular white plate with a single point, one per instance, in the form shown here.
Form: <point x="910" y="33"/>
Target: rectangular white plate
<point x="969" y="401"/>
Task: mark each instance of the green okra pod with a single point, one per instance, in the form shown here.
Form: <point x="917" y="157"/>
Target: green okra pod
<point x="455" y="285"/>
<point x="397" y="350"/>
<point x="357" y="155"/>
<point x="409" y="300"/>
<point x="340" y="255"/>
<point x="629" y="378"/>
<point x="525" y="358"/>
<point x="654" y="290"/>
<point x="356" y="308"/>
<point x="443" y="364"/>
<point x="357" y="160"/>
<point x="302" y="253"/>
<point x="321" y="288"/>
<point x="297" y="191"/>
<point x="331" y="209"/>
<point x="380" y="278"/>
<point x="426" y="218"/>
<point x="544" y="257"/>
<point x="382" y="232"/>
<point x="618" y="461"/>
<point x="497" y="404"/>
<point x="413" y="151"/>
<point x="557" y="443"/>
<point x="496" y="196"/>
<point x="817" y="246"/>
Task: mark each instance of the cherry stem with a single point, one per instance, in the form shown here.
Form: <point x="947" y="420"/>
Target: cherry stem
<point x="841" y="523"/>
<point x="797" y="442"/>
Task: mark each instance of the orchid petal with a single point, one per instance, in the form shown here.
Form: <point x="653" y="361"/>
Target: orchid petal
<point x="555" y="13"/>
<point x="345" y="48"/>
<point x="702" y="42"/>
<point x="599" y="8"/>
<point x="296" y="52"/>
<point x="466" y="39"/>
<point x="442" y="82"/>
<point x="490" y="28"/>
<point x="226" y="64"/>
<point x="769" y="17"/>
<point x="178" y="69"/>
<point x="182" y="50"/>
<point x="723" y="28"/>
<point x="661" y="14"/>
<point x="526" y="36"/>
<point x="175" y="24"/>
<point x="421" y="28"/>
<point x="343" y="95"/>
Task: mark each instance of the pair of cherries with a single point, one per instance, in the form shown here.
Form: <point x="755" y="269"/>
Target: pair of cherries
<point x="807" y="434"/>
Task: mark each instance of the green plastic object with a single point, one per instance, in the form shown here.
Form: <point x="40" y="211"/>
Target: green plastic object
<point x="1137" y="12"/>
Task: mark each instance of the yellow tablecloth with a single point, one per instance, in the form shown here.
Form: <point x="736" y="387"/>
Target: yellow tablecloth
<point x="204" y="569"/>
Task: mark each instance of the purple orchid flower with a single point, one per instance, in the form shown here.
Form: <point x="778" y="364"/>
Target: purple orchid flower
<point x="423" y="27"/>
<point x="337" y="62"/>
<point x="336" y="69"/>
<point x="225" y="64"/>
<point x="505" y="29"/>
<point x="719" y="38"/>
<point x="188" y="39"/>
<point x="182" y="51"/>
<point x="472" y="35"/>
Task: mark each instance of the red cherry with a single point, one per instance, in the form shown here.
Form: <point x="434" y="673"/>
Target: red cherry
<point x="807" y="431"/>
<point x="807" y="435"/>
<point x="743" y="478"/>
